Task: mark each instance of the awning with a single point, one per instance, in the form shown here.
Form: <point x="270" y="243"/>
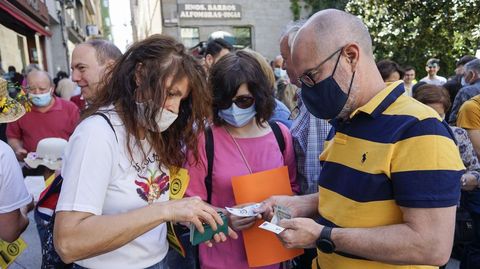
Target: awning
<point x="24" y="18"/>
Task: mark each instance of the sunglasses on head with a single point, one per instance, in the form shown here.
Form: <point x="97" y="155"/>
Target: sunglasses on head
<point x="242" y="101"/>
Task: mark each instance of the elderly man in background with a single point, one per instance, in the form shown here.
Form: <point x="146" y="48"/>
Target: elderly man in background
<point x="50" y="116"/>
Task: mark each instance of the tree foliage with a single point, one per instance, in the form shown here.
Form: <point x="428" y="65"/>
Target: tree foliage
<point x="412" y="31"/>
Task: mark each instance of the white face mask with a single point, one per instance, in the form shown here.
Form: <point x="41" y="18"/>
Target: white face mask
<point x="163" y="120"/>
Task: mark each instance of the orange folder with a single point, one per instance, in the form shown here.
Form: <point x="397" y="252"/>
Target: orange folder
<point x="263" y="247"/>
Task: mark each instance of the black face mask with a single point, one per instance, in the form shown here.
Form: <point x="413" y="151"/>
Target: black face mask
<point x="325" y="99"/>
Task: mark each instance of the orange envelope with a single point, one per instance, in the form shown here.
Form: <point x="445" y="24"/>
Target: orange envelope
<point x="263" y="247"/>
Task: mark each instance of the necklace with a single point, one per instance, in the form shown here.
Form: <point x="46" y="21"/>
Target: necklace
<point x="240" y="150"/>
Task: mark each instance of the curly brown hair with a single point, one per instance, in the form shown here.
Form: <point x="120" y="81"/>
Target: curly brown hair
<point x="146" y="66"/>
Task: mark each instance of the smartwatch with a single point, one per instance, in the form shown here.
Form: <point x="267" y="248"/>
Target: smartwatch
<point x="324" y="242"/>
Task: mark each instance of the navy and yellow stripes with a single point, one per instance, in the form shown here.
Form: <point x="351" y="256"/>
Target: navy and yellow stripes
<point x="393" y="152"/>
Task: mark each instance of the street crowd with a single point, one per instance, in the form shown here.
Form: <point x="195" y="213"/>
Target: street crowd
<point x="379" y="164"/>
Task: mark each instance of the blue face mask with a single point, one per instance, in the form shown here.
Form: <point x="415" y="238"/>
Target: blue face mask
<point x="325" y="99"/>
<point x="40" y="100"/>
<point x="463" y="82"/>
<point x="279" y="72"/>
<point x="237" y="117"/>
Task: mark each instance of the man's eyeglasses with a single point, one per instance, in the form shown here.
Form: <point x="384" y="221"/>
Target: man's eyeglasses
<point x="431" y="66"/>
<point x="308" y="78"/>
<point x="242" y="101"/>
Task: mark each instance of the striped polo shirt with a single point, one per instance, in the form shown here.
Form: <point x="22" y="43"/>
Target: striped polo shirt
<point x="393" y="151"/>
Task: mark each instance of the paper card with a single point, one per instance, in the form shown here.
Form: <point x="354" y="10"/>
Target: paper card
<point x="271" y="227"/>
<point x="263" y="247"/>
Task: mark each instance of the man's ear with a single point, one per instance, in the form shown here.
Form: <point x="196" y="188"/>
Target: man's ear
<point x="209" y="60"/>
<point x="352" y="52"/>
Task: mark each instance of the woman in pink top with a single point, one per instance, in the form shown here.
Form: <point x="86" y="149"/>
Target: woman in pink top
<point x="243" y="144"/>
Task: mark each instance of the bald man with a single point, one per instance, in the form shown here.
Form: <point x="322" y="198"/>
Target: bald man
<point x="391" y="171"/>
<point x="49" y="117"/>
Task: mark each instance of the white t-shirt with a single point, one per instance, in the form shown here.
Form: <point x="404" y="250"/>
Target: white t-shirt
<point x="101" y="178"/>
<point x="437" y="80"/>
<point x="13" y="193"/>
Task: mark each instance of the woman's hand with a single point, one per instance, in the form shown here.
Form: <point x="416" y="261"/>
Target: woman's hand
<point x="192" y="210"/>
<point x="242" y="223"/>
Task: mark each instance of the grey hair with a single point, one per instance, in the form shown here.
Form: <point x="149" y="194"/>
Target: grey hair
<point x="473" y="65"/>
<point x="291" y="30"/>
<point x="41" y="72"/>
<point x="104" y="50"/>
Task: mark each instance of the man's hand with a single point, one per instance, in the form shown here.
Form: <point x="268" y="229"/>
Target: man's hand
<point x="21" y="154"/>
<point x="299" y="232"/>
<point x="266" y="209"/>
<point x="469" y="182"/>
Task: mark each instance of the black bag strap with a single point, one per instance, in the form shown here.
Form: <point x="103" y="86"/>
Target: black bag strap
<point x="108" y="121"/>
<point x="209" y="147"/>
<point x="278" y="135"/>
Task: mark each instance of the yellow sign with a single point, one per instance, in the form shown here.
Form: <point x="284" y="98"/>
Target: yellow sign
<point x="10" y="251"/>
<point x="178" y="185"/>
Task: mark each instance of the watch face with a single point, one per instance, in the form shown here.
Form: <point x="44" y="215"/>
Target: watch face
<point x="325" y="245"/>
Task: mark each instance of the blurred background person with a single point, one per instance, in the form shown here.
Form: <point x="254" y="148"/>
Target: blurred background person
<point x="432" y="68"/>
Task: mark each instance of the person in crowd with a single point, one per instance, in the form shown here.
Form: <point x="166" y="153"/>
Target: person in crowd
<point x="383" y="202"/>
<point x="244" y="144"/>
<point x="433" y="66"/>
<point x="90" y="61"/>
<point x="471" y="88"/>
<point x="15" y="201"/>
<point x="112" y="210"/>
<point x="308" y="133"/>
<point x="469" y="119"/>
<point x="409" y="79"/>
<point x="285" y="91"/>
<point x="13" y="76"/>
<point x="50" y="116"/>
<point x="64" y="86"/>
<point x="48" y="154"/>
<point x="281" y="112"/>
<point x="216" y="49"/>
<point x="390" y="71"/>
<point x="456" y="82"/>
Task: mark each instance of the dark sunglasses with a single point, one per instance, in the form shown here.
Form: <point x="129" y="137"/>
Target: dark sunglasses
<point x="242" y="101"/>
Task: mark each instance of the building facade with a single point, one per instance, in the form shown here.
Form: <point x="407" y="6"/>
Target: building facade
<point x="146" y="18"/>
<point x="73" y="22"/>
<point x="24" y="33"/>
<point x="254" y="24"/>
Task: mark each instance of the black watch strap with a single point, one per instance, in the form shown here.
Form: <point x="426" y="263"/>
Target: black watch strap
<point x="326" y="233"/>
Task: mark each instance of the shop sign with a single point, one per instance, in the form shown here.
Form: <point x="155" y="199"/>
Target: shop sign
<point x="210" y="11"/>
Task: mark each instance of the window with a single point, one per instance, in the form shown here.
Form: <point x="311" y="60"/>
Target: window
<point x="243" y="36"/>
<point x="190" y="36"/>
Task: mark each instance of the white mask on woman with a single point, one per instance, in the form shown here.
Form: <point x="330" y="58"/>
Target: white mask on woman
<point x="163" y="119"/>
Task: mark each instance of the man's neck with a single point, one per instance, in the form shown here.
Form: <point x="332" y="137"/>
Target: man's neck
<point x="44" y="109"/>
<point x="432" y="76"/>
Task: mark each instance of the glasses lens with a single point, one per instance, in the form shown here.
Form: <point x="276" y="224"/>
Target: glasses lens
<point x="244" y="101"/>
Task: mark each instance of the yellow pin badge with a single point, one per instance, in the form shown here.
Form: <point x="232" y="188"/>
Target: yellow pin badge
<point x="10" y="251"/>
<point x="178" y="185"/>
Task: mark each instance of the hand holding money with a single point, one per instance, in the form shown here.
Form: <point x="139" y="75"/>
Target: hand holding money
<point x="242" y="217"/>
